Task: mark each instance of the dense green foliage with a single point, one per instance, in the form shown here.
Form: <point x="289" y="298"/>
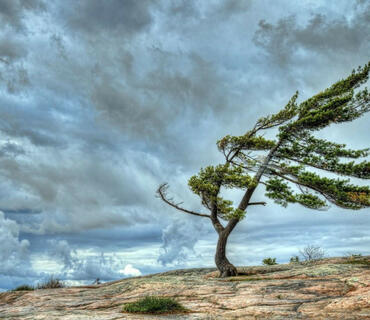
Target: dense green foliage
<point x="269" y="261"/>
<point x="154" y="305"/>
<point x="207" y="183"/>
<point x="286" y="169"/>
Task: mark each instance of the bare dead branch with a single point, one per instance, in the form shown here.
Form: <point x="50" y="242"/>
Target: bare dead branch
<point x="257" y="203"/>
<point x="161" y="193"/>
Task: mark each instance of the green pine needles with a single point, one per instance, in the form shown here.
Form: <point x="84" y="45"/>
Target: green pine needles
<point x="293" y="153"/>
<point x="295" y="167"/>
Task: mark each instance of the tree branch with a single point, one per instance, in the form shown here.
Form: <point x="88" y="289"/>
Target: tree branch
<point x="256" y="203"/>
<point x="161" y="191"/>
<point x="318" y="166"/>
<point x="326" y="196"/>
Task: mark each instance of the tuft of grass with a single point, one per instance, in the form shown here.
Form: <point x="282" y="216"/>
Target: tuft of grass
<point x="154" y="305"/>
<point x="51" y="283"/>
<point x="24" y="287"/>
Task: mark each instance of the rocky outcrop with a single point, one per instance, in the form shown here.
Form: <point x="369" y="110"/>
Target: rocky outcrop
<point x="329" y="289"/>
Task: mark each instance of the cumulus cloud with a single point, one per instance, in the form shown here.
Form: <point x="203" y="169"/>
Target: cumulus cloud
<point x="179" y="239"/>
<point x="322" y="38"/>
<point x="130" y="271"/>
<point x="15" y="262"/>
<point x="91" y="267"/>
<point x="13" y="251"/>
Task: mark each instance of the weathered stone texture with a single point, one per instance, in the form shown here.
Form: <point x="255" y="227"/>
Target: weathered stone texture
<point x="329" y="289"/>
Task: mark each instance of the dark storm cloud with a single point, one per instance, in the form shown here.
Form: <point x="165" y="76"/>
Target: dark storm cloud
<point x="13" y="75"/>
<point x="182" y="8"/>
<point x="10" y="149"/>
<point x="10" y="49"/>
<point x="177" y="87"/>
<point x="31" y="125"/>
<point x="171" y="86"/>
<point x="12" y="11"/>
<point x="64" y="188"/>
<point x="288" y="41"/>
<point x="93" y="16"/>
<point x="230" y="7"/>
<point x="117" y="238"/>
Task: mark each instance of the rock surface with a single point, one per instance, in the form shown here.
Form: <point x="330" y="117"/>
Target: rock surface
<point x="335" y="288"/>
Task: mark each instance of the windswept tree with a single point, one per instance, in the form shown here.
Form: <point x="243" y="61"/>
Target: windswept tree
<point x="293" y="167"/>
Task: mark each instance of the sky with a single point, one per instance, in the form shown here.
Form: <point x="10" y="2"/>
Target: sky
<point x="102" y="101"/>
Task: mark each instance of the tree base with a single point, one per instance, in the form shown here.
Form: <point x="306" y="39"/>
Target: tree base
<point x="228" y="271"/>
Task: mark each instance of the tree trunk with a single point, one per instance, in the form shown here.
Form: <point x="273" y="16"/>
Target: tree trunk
<point x="223" y="264"/>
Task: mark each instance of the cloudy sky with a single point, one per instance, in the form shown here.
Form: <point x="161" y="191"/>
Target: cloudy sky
<point x="101" y="101"/>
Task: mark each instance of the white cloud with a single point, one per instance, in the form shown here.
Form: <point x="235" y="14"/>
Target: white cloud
<point x="80" y="265"/>
<point x="179" y="239"/>
<point x="13" y="252"/>
<point x="129" y="270"/>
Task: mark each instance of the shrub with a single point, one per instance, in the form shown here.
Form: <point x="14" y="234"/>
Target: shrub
<point x="294" y="259"/>
<point x="24" y="287"/>
<point x="269" y="261"/>
<point x="154" y="305"/>
<point x="51" y="283"/>
<point x="357" y="258"/>
<point x="352" y="256"/>
<point x="312" y="253"/>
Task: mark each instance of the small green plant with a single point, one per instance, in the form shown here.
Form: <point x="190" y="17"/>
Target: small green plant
<point x="155" y="305"/>
<point x="24" y="287"/>
<point x="51" y="283"/>
<point x="294" y="259"/>
<point x="269" y="261"/>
